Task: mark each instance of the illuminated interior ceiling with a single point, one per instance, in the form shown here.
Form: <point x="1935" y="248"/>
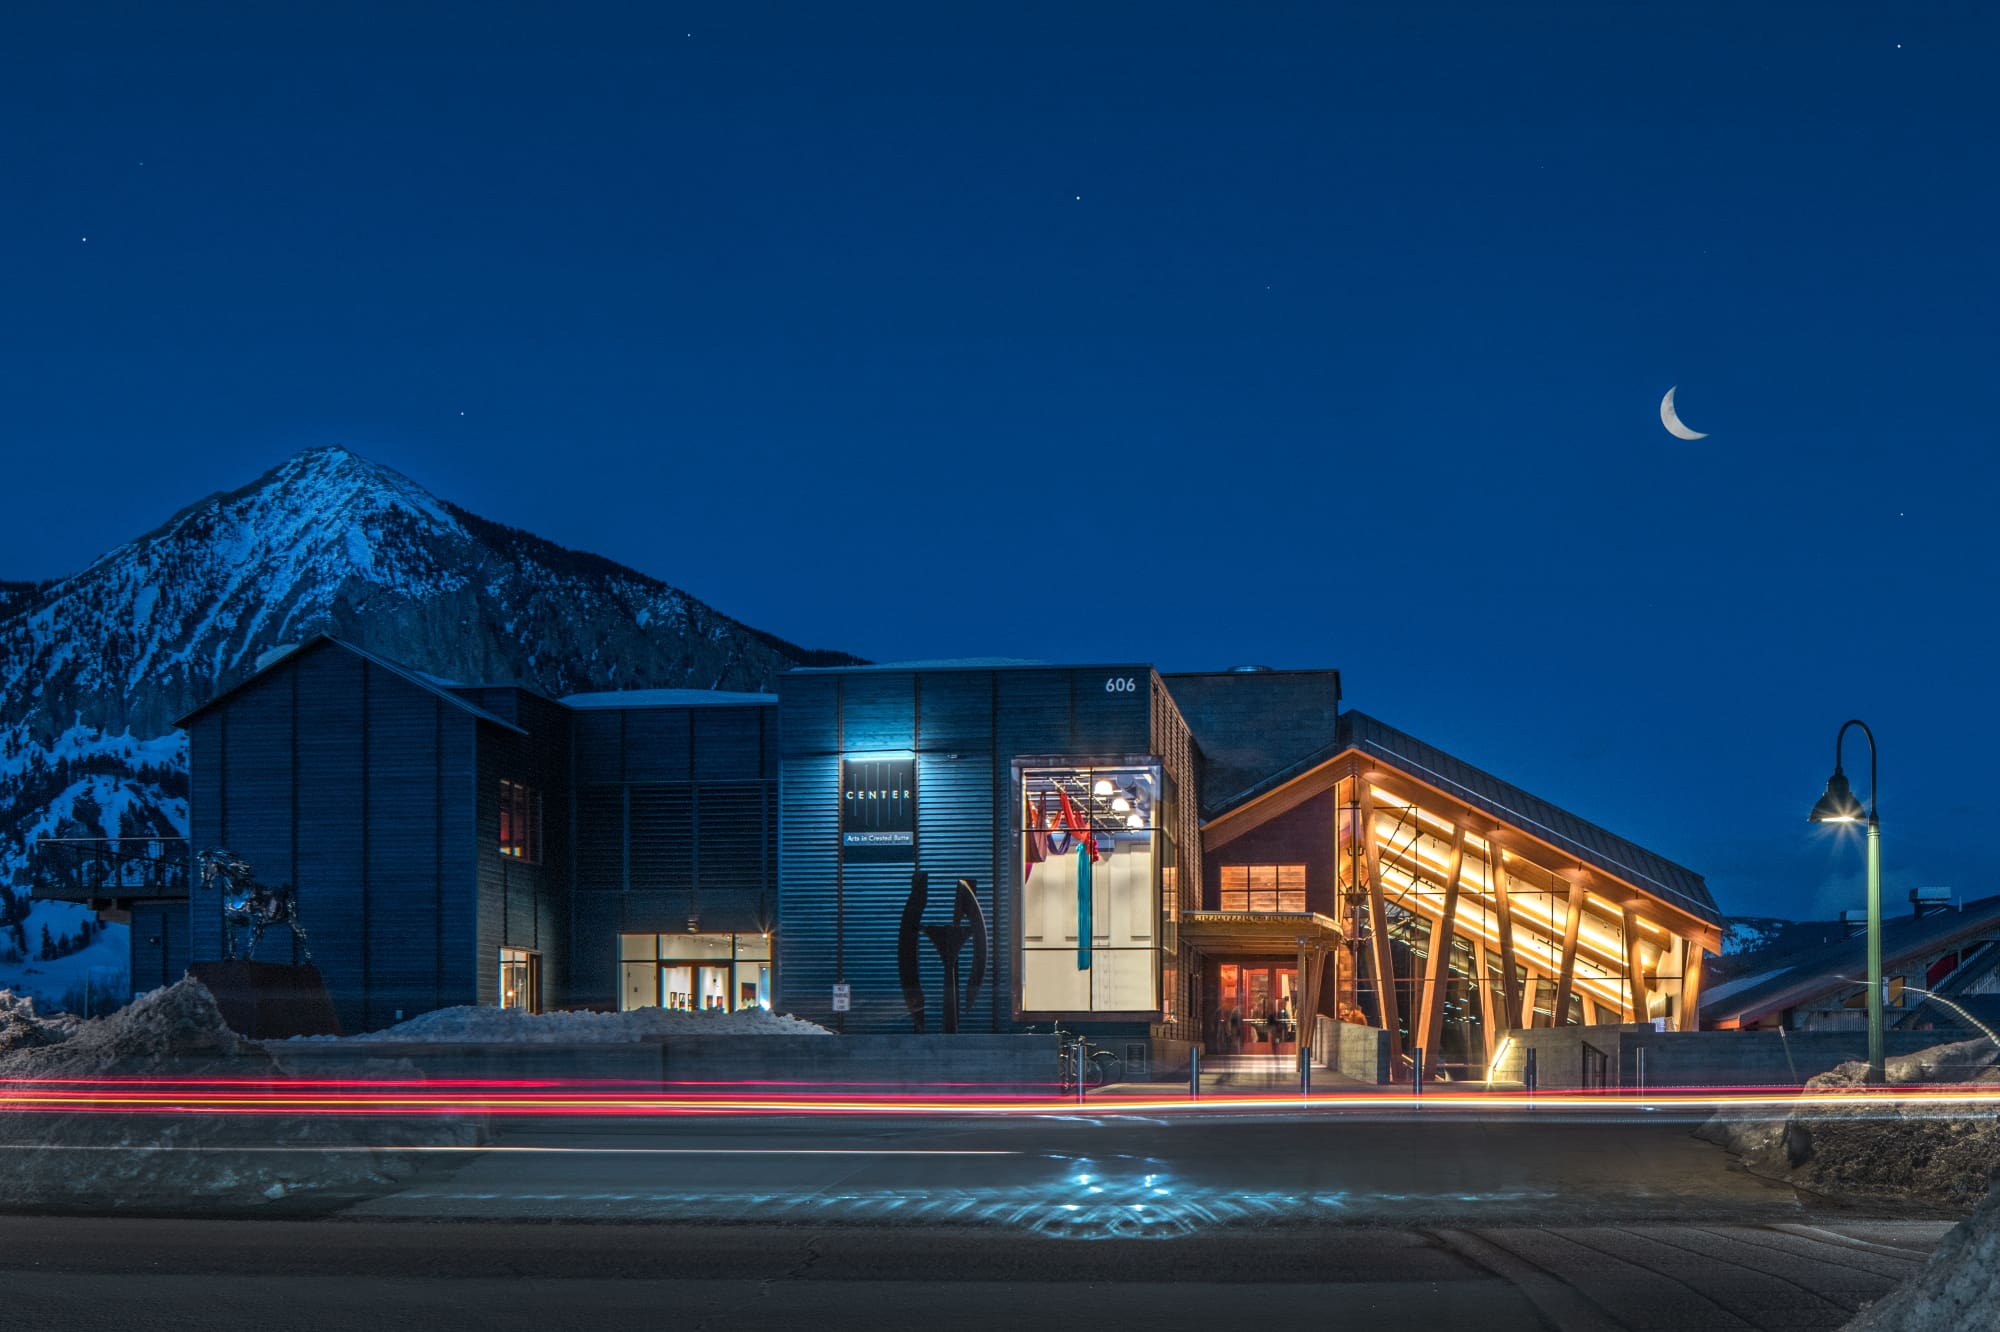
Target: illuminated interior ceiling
<point x="1564" y="932"/>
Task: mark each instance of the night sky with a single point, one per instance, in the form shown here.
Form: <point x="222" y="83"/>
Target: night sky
<point x="1314" y="336"/>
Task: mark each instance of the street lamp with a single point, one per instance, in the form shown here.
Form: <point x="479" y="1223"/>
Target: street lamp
<point x="1839" y="805"/>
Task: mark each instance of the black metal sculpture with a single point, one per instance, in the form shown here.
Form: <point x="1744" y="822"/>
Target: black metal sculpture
<point x="248" y="904"/>
<point x="968" y="925"/>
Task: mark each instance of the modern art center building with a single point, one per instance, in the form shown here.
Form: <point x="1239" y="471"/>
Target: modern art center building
<point x="1215" y="858"/>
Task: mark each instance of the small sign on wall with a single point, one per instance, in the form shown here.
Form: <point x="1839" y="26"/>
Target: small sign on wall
<point x="843" y="997"/>
<point x="878" y="810"/>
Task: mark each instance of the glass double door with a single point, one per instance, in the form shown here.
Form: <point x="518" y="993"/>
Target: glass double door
<point x="1256" y="1009"/>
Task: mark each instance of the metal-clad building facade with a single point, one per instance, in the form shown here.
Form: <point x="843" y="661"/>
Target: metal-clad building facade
<point x="674" y="827"/>
<point x="353" y="782"/>
<point x="963" y="726"/>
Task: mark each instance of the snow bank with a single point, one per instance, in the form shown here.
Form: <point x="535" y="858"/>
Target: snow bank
<point x="511" y="1026"/>
<point x="1958" y="1289"/>
<point x="1902" y="1153"/>
<point x="181" y="1162"/>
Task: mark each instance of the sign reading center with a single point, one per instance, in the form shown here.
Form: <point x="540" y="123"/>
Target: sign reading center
<point x="878" y="810"/>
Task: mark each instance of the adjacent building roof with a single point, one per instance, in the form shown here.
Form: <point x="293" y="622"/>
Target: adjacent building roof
<point x="1788" y="979"/>
<point x="426" y="683"/>
<point x="932" y="664"/>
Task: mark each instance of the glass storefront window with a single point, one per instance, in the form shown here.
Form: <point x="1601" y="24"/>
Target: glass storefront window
<point x="1089" y="890"/>
<point x="710" y="973"/>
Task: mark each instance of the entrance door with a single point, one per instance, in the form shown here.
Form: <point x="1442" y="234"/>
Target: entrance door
<point x="1256" y="1008"/>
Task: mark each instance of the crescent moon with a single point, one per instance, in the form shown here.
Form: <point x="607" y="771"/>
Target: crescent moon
<point x="1672" y="420"/>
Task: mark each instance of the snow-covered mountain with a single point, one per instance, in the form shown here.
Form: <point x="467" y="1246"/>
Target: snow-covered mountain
<point x="94" y="668"/>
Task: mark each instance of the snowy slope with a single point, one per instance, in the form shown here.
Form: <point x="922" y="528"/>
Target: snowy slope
<point x="94" y="668"/>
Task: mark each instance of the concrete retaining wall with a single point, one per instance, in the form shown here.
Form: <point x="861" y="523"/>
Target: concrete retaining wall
<point x="1352" y="1050"/>
<point x="1637" y="1055"/>
<point x="970" y="1065"/>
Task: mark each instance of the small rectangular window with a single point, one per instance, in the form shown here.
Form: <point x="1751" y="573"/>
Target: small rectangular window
<point x="1263" y="888"/>
<point x="521" y="822"/>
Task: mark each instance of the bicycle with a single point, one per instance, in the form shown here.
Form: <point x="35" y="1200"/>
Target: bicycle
<point x="1098" y="1066"/>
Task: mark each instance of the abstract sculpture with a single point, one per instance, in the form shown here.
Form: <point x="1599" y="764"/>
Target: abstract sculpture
<point x="968" y="925"/>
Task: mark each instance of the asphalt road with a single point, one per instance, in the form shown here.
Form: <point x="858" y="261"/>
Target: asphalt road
<point x="1344" y="1221"/>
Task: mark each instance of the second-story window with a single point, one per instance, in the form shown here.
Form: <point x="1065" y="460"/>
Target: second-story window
<point x="521" y="822"/>
<point x="1263" y="888"/>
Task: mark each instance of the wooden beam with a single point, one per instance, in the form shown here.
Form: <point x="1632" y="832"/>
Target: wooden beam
<point x="1691" y="988"/>
<point x="1378" y="929"/>
<point x="1437" y="968"/>
<point x="1567" y="976"/>
<point x="1635" y="967"/>
<point x="1510" y="985"/>
<point x="1489" y="1015"/>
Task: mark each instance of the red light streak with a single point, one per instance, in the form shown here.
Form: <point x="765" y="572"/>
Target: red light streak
<point x="587" y="1098"/>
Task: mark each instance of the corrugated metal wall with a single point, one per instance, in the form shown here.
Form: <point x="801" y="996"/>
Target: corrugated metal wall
<point x="355" y="786"/>
<point x="839" y="921"/>
<point x="675" y="814"/>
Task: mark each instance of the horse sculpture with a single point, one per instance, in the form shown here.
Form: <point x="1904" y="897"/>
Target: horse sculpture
<point x="248" y="904"/>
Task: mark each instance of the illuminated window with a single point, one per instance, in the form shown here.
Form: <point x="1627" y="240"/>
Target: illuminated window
<point x="1090" y="914"/>
<point x="521" y="822"/>
<point x="520" y="980"/>
<point x="710" y="973"/>
<point x="1263" y="888"/>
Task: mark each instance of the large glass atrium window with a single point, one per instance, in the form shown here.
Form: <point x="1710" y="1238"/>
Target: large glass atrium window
<point x="1089" y="890"/>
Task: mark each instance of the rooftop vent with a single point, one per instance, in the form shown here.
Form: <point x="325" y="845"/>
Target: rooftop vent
<point x="1930" y="901"/>
<point x="1855" y="921"/>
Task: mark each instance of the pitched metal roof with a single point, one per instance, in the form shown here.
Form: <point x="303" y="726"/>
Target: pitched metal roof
<point x="667" y="698"/>
<point x="1590" y="844"/>
<point x="426" y="683"/>
<point x="1799" y="976"/>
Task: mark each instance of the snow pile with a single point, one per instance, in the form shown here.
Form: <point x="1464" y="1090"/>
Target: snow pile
<point x="511" y="1026"/>
<point x="1958" y="1288"/>
<point x="1898" y="1152"/>
<point x="185" y="1161"/>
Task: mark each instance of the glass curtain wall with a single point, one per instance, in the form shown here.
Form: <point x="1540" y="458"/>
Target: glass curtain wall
<point x="1091" y="916"/>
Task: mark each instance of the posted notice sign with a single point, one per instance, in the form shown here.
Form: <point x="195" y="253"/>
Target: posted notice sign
<point x="843" y="998"/>
<point x="878" y="810"/>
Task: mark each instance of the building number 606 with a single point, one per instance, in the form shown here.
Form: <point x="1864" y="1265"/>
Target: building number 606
<point x="1121" y="685"/>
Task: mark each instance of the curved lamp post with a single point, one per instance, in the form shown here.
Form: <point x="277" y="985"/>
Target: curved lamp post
<point x="1839" y="805"/>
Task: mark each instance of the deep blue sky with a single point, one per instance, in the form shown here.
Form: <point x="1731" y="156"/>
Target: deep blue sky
<point x="1320" y="335"/>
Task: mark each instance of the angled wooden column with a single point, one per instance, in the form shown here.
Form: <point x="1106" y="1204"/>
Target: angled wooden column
<point x="1490" y="1022"/>
<point x="1510" y="984"/>
<point x="1589" y="1009"/>
<point x="1635" y="967"/>
<point x="1378" y="927"/>
<point x="1567" y="975"/>
<point x="1690" y="1019"/>
<point x="1437" y="967"/>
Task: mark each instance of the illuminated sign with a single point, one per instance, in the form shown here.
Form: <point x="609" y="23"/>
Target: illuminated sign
<point x="878" y="810"/>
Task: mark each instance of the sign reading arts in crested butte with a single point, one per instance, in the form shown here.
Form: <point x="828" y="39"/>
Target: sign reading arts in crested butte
<point x="878" y="810"/>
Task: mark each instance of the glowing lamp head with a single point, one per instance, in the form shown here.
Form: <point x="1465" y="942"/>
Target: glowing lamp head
<point x="1102" y="787"/>
<point x="1838" y="805"/>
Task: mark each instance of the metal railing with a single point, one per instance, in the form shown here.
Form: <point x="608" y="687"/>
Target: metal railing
<point x="82" y="869"/>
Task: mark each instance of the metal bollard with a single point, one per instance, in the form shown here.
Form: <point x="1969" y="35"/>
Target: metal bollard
<point x="1528" y="1073"/>
<point x="1194" y="1073"/>
<point x="1081" y="1084"/>
<point x="1639" y="1058"/>
<point x="1417" y="1075"/>
<point x="1305" y="1073"/>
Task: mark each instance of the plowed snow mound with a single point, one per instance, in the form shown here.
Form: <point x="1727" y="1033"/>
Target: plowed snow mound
<point x="1957" y="1290"/>
<point x="1906" y="1153"/>
<point x="90" y="1159"/>
<point x="511" y="1026"/>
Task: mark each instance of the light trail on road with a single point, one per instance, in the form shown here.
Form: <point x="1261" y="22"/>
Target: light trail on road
<point x="511" y="1097"/>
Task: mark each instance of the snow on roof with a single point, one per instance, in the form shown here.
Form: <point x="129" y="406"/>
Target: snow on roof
<point x="930" y="664"/>
<point x="667" y="698"/>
